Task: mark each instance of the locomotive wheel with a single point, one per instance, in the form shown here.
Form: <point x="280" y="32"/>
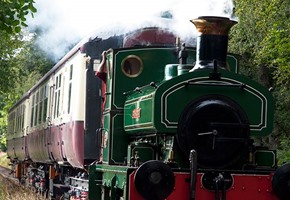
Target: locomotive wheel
<point x="217" y="128"/>
<point x="281" y="182"/>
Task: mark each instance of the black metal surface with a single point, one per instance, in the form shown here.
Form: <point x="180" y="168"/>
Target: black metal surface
<point x="93" y="112"/>
<point x="154" y="180"/>
<point x="210" y="179"/>
<point x="281" y="182"/>
<point x="217" y="128"/>
<point x="212" y="47"/>
<point x="193" y="170"/>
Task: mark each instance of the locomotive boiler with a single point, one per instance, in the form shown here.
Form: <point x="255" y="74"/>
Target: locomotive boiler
<point x="178" y="122"/>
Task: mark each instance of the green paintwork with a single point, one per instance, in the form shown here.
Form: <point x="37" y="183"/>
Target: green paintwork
<point x="173" y="70"/>
<point x="107" y="176"/>
<point x="172" y="96"/>
<point x="118" y="83"/>
<point x="144" y="151"/>
<point x="153" y="59"/>
<point x="114" y="151"/>
<point x="265" y="158"/>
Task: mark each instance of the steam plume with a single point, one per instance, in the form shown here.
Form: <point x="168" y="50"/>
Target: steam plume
<point x="65" y="22"/>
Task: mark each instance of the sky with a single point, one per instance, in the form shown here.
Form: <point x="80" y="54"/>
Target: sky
<point x="66" y="22"/>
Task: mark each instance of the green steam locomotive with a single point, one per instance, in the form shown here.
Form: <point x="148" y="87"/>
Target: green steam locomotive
<point x="179" y="123"/>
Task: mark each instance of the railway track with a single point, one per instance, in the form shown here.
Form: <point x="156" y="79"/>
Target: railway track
<point x="10" y="188"/>
<point x="5" y="172"/>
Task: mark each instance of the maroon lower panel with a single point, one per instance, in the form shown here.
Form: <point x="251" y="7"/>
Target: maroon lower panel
<point x="10" y="148"/>
<point x="73" y="139"/>
<point x="58" y="143"/>
<point x="20" y="148"/>
<point x="37" y="146"/>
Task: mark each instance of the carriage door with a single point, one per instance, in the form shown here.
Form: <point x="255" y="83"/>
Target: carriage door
<point x="50" y="116"/>
<point x="57" y="114"/>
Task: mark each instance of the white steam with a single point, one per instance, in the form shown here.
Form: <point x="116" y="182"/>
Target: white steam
<point x="65" y="22"/>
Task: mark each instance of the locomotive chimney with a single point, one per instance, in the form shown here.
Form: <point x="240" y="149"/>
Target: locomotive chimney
<point x="212" y="41"/>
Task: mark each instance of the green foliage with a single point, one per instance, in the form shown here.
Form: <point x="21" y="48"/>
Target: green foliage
<point x="283" y="151"/>
<point x="33" y="58"/>
<point x="13" y="14"/>
<point x="262" y="39"/>
<point x="32" y="63"/>
<point x="22" y="64"/>
<point x="25" y="63"/>
<point x="9" y="75"/>
<point x="9" y="46"/>
<point x="276" y="53"/>
<point x="3" y="147"/>
<point x="3" y="160"/>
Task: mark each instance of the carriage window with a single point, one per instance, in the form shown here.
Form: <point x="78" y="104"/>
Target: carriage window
<point x="12" y="120"/>
<point x="132" y="66"/>
<point x="23" y="113"/>
<point x="71" y="72"/>
<point x="69" y="88"/>
<point x="36" y="109"/>
<point x="55" y="100"/>
<point x="10" y="124"/>
<point x="32" y="111"/>
<point x="57" y="96"/>
<point x="45" y="97"/>
<point x="17" y="119"/>
<point x="40" y="106"/>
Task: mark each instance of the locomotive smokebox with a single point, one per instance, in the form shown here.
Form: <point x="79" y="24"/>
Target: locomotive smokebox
<point x="212" y="41"/>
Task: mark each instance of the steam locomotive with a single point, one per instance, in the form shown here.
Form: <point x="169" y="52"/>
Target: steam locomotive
<point x="178" y="123"/>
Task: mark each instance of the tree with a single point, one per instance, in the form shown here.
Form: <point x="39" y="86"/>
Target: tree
<point x="25" y="63"/>
<point x="22" y="64"/>
<point x="33" y="58"/>
<point x="262" y="40"/>
<point x="13" y="14"/>
<point x="9" y="47"/>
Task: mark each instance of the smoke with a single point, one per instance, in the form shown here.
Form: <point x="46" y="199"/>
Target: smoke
<point x="65" y="22"/>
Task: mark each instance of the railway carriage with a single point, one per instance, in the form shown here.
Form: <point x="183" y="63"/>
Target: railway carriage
<point x="55" y="123"/>
<point x="16" y="140"/>
<point x="178" y="123"/>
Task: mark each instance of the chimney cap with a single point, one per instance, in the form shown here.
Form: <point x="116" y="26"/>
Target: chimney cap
<point x="212" y="25"/>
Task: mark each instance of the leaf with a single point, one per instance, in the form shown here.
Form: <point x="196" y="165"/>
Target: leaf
<point x="17" y="29"/>
<point x="15" y="22"/>
<point x="32" y="8"/>
<point x="24" y="24"/>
